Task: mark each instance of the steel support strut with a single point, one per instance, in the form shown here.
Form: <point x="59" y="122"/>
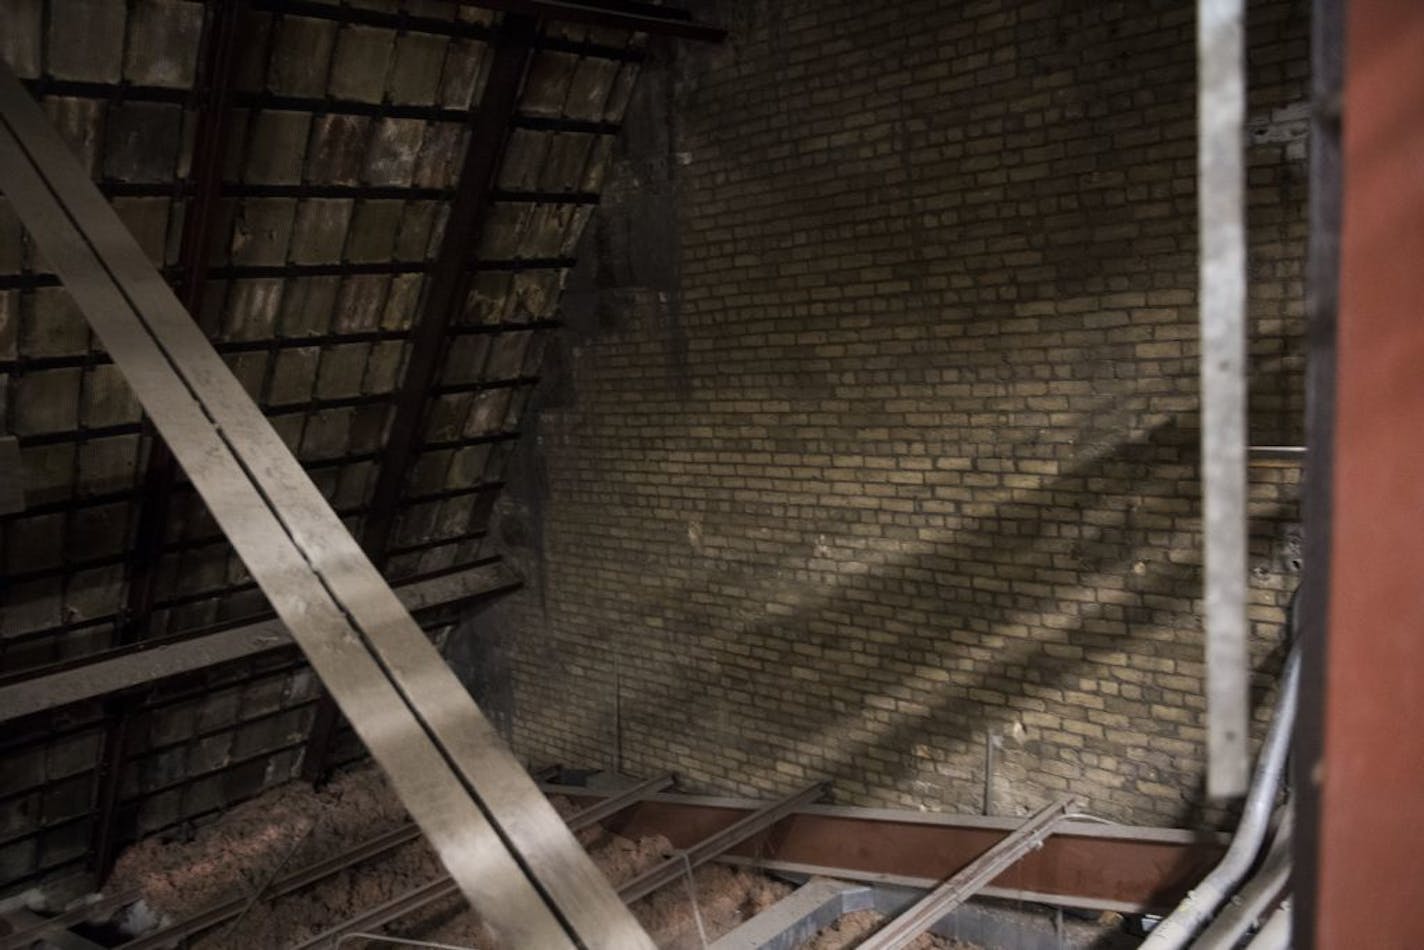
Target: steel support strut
<point x="501" y="840"/>
<point x="971" y="880"/>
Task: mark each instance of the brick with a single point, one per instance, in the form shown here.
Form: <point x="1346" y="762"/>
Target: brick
<point x="858" y="460"/>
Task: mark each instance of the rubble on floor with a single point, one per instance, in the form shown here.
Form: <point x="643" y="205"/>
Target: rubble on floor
<point x="293" y="826"/>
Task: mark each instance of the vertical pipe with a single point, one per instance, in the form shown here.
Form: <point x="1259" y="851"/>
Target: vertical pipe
<point x="1177" y="929"/>
<point x="1221" y="98"/>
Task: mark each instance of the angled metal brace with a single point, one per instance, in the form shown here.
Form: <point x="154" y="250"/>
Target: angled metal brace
<point x="968" y="882"/>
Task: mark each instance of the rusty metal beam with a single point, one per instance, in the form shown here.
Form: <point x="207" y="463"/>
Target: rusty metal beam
<point x="443" y="299"/>
<point x="968" y="880"/>
<point x="1084" y="864"/>
<point x="718" y="843"/>
<point x="1370" y="776"/>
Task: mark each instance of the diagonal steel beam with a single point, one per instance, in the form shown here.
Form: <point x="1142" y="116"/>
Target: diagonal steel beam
<point x="499" y="837"/>
<point x="923" y="915"/>
<point x="443" y="299"/>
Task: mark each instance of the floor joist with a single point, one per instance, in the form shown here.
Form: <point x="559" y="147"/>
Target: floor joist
<point x="1085" y="864"/>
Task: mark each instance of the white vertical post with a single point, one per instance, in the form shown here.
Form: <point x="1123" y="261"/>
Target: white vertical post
<point x="1221" y="96"/>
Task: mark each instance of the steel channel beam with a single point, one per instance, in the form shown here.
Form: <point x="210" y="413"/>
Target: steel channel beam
<point x="443" y="887"/>
<point x="795" y="920"/>
<point x="718" y="843"/>
<point x="443" y="299"/>
<point x="968" y="881"/>
<point x="1221" y="105"/>
<point x="169" y="658"/>
<point x="514" y="859"/>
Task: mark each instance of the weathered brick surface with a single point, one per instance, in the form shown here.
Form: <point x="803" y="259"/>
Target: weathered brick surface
<point x="894" y="449"/>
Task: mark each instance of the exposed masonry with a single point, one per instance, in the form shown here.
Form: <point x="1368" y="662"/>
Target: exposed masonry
<point x="899" y="459"/>
<point x="313" y="297"/>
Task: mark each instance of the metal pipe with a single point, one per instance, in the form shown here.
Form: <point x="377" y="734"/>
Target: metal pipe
<point x="1258" y="895"/>
<point x="1276" y="935"/>
<point x="1199" y="905"/>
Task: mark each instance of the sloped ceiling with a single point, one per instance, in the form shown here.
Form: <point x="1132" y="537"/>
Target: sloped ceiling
<point x="343" y="137"/>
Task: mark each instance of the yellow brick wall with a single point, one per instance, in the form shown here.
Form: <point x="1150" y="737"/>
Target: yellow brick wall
<point x="899" y="453"/>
